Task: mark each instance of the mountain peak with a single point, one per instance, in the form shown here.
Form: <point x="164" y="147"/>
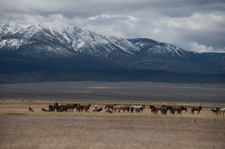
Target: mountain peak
<point x="63" y="39"/>
<point x="11" y="27"/>
<point x="56" y="26"/>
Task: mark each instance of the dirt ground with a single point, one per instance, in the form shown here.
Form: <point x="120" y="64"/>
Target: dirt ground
<point x="20" y="128"/>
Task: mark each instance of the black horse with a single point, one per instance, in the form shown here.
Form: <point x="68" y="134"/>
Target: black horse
<point x="153" y="109"/>
<point x="193" y="109"/>
<point x="53" y="107"/>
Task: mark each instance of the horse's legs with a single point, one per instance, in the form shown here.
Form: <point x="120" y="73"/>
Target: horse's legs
<point x="217" y="112"/>
<point x="131" y="110"/>
<point x="172" y="111"/>
<point x="180" y="111"/>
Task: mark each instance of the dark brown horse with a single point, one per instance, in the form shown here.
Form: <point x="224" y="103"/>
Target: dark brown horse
<point x="87" y="107"/>
<point x="71" y="107"/>
<point x="30" y="109"/>
<point x="124" y="108"/>
<point x="179" y="109"/>
<point x="153" y="109"/>
<point x="171" y="109"/>
<point x="164" y="110"/>
<point x="80" y="108"/>
<point x="110" y="106"/>
<point x="193" y="109"/>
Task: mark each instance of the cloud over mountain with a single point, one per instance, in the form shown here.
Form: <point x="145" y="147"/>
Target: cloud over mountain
<point x="195" y="25"/>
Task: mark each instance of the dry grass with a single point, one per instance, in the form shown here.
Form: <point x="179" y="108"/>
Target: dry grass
<point x="20" y="128"/>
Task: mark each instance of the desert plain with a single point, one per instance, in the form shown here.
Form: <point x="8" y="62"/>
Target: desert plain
<point x="20" y="128"/>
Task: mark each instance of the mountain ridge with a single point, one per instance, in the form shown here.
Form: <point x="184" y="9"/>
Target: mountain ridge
<point x="60" y="47"/>
<point x="66" y="37"/>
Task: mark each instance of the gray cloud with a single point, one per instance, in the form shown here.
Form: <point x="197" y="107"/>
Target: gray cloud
<point x="196" y="25"/>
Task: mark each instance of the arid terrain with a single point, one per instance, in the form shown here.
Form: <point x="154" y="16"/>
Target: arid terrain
<point x="20" y="128"/>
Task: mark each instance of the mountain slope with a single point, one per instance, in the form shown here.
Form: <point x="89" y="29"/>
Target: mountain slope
<point x="59" y="39"/>
<point x="59" y="47"/>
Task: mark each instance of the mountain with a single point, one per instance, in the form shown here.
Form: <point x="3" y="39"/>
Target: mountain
<point x="59" y="48"/>
<point x="59" y="39"/>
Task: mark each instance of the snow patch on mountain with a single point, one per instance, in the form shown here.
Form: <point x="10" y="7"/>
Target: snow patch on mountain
<point x="63" y="39"/>
<point x="10" y="44"/>
<point x="11" y="28"/>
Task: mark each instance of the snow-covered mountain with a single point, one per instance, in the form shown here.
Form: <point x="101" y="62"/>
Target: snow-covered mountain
<point x="56" y="46"/>
<point x="11" y="28"/>
<point x="153" y="48"/>
<point x="56" y="38"/>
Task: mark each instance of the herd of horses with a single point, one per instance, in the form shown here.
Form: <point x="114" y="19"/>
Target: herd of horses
<point x="110" y="108"/>
<point x="218" y="111"/>
<point x="67" y="108"/>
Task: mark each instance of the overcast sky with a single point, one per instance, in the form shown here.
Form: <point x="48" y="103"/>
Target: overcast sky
<point x="196" y="25"/>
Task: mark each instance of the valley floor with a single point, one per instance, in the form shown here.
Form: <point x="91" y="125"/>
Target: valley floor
<point x="122" y="91"/>
<point x="20" y="128"/>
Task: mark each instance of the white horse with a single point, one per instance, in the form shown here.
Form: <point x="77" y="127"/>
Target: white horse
<point x="118" y="107"/>
<point x="222" y="110"/>
<point x="137" y="108"/>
